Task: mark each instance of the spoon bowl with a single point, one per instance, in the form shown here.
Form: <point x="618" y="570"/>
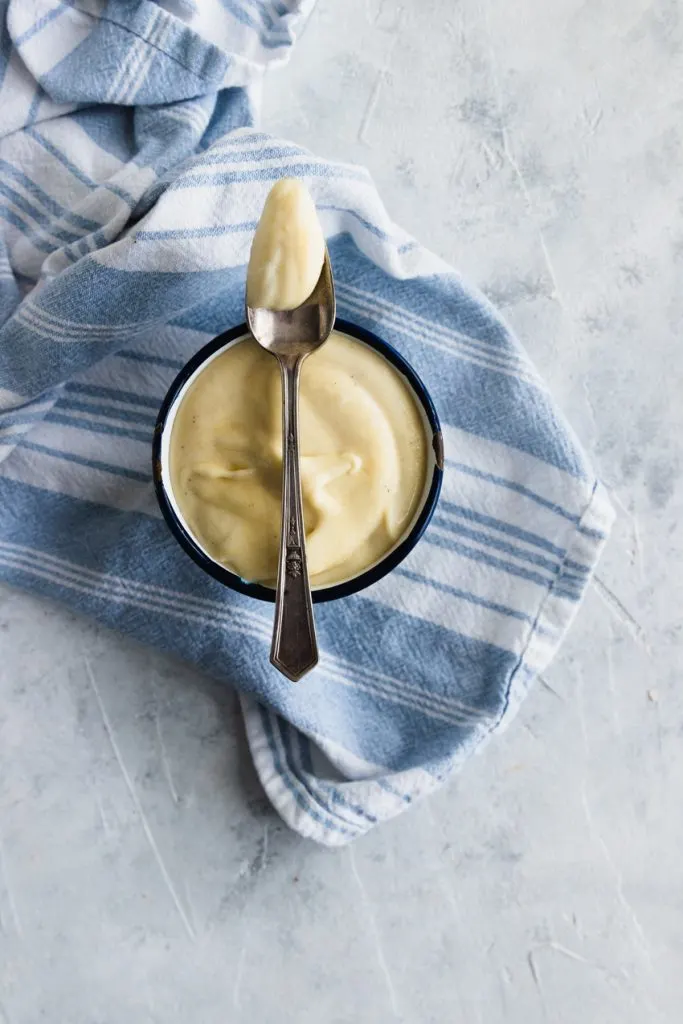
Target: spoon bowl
<point x="295" y="333"/>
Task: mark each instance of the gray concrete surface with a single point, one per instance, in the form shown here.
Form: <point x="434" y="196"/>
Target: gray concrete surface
<point x="143" y="878"/>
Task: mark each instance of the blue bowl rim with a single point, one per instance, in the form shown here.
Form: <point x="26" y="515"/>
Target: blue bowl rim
<point x="357" y="583"/>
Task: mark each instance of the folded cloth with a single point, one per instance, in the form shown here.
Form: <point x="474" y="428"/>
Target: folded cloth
<point x="131" y="184"/>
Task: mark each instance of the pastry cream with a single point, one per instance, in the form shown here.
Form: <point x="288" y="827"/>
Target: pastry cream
<point x="288" y="249"/>
<point x="364" y="458"/>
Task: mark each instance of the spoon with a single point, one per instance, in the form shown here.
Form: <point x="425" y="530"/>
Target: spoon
<point x="291" y="335"/>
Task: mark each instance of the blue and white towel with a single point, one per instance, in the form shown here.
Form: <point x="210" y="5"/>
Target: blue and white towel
<point x="131" y="180"/>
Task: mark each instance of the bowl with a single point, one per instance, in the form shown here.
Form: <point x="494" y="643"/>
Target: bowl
<point x="182" y="533"/>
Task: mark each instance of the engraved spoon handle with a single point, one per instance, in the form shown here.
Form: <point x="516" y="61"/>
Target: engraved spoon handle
<point x="294" y="649"/>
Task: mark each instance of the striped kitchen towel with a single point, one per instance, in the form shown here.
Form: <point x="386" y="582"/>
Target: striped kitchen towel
<point x="131" y="180"/>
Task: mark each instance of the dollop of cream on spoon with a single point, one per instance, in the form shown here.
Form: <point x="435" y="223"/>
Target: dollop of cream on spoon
<point x="288" y="249"/>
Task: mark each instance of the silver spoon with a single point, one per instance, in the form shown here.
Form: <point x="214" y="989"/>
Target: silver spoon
<point x="291" y="335"/>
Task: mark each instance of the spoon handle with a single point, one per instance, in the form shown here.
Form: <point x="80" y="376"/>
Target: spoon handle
<point x="294" y="650"/>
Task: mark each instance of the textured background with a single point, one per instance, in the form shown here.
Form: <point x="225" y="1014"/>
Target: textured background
<point x="143" y="878"/>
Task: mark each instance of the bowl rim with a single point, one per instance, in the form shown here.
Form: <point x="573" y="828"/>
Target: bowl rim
<point x="337" y="590"/>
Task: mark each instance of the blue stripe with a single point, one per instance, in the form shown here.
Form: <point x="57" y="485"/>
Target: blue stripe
<point x="98" y="333"/>
<point x="46" y="200"/>
<point x="96" y="391"/>
<point x="325" y="787"/>
<point x="39" y="25"/>
<point x="30" y="402"/>
<point x="22" y="419"/>
<point x="76" y="171"/>
<point x="405" y="797"/>
<point x="38" y="97"/>
<point x="372" y="228"/>
<point x="285" y="731"/>
<point x="44" y="222"/>
<point x="312" y="170"/>
<point x="512" y="486"/>
<point x="569" y="584"/>
<point x="17" y="421"/>
<point x="470" y="349"/>
<point x="22" y="413"/>
<point x="577" y="567"/>
<point x="481" y="556"/>
<point x="72" y="252"/>
<point x="18" y="222"/>
<point x="213" y="231"/>
<point x="587" y="531"/>
<point x="62" y="158"/>
<point x="473" y="347"/>
<point x="572" y="583"/>
<point x="141" y="357"/>
<point x="566" y="594"/>
<point x="90" y="427"/>
<point x="274" y="24"/>
<point x="127" y="197"/>
<point x="98" y="240"/>
<point x="99" y="409"/>
<point x="499" y="545"/>
<point x="244" y="140"/>
<point x="239" y="14"/>
<point x="105" y="467"/>
<point x="499" y="524"/>
<point x="235" y="156"/>
<point x="285" y="777"/>
<point x="5" y="41"/>
<point x="464" y="595"/>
